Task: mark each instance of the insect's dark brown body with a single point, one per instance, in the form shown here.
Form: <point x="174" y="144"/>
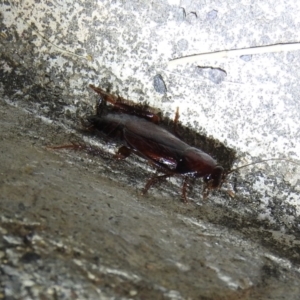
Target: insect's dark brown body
<point x="163" y="149"/>
<point x="136" y="127"/>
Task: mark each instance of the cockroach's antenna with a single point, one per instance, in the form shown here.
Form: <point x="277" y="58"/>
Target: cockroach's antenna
<point x="259" y="162"/>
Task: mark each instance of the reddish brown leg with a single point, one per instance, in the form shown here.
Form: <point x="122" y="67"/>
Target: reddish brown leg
<point x="184" y="189"/>
<point x="206" y="190"/>
<point x="127" y="106"/>
<point x="83" y="147"/>
<point x="231" y="193"/>
<point x="72" y="146"/>
<point x="176" y="117"/>
<point x="153" y="180"/>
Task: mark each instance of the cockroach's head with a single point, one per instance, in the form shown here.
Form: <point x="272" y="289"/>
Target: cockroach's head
<point x="214" y="180"/>
<point x="200" y="164"/>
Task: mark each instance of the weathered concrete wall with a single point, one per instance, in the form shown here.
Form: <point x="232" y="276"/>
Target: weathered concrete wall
<point x="75" y="225"/>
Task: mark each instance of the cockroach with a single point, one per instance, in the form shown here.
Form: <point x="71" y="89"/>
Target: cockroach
<point x="138" y="130"/>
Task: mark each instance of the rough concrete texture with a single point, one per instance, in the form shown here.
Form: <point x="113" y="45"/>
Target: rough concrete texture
<point x="73" y="225"/>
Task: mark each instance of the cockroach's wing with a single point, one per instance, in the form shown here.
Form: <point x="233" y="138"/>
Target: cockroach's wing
<point x="152" y="149"/>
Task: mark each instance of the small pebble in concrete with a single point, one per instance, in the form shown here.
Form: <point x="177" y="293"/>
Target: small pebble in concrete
<point x="159" y="84"/>
<point x="215" y="75"/>
<point x="246" y="58"/>
<point x="212" y="15"/>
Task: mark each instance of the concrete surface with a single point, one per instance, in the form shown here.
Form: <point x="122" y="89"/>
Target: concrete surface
<point x="74" y="225"/>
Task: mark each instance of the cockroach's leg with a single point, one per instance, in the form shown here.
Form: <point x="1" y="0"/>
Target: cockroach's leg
<point x="176" y="119"/>
<point x="73" y="146"/>
<point x="184" y="189"/>
<point x="153" y="180"/>
<point x="231" y="193"/>
<point x="83" y="147"/>
<point x="120" y="104"/>
<point x="206" y="191"/>
<point x="122" y="153"/>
